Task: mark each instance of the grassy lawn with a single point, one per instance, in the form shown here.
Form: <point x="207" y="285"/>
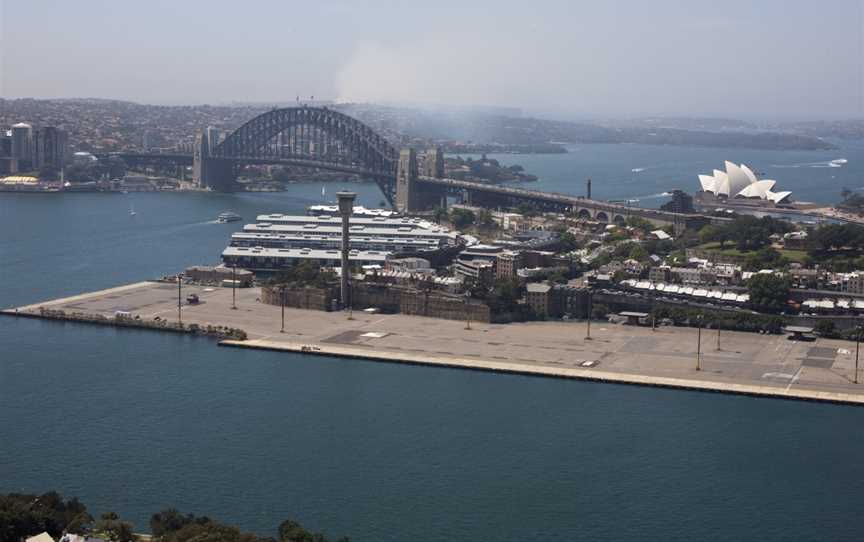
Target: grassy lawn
<point x="731" y="250"/>
<point x="794" y="255"/>
<point x="728" y="250"/>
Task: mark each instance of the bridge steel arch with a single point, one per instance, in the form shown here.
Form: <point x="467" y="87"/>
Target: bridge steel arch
<point x="318" y="136"/>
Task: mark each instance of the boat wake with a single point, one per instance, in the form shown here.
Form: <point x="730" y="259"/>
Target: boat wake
<point x="654" y="196"/>
<point x="839" y="162"/>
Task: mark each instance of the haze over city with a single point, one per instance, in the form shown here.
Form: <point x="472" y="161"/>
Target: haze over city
<point x="766" y="60"/>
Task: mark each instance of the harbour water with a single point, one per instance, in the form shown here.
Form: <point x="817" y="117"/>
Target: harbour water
<point x="646" y="172"/>
<point x="136" y="421"/>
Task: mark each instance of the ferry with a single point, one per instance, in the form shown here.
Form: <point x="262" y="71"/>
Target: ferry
<point x="228" y="216"/>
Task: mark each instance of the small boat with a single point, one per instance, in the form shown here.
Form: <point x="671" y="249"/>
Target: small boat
<point x="228" y="216"/>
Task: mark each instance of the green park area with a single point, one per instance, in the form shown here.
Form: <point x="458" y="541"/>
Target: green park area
<point x="732" y="251"/>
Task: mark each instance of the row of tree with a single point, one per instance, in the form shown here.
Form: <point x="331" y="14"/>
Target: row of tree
<point x="732" y="321"/>
<point x="836" y="237"/>
<point x="80" y="172"/>
<point x="747" y="233"/>
<point x="464" y="218"/>
<point x="24" y="515"/>
<point x="305" y="273"/>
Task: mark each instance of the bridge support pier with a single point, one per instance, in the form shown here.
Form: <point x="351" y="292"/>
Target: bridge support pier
<point x="208" y="172"/>
<point x="412" y="196"/>
<point x="407" y="190"/>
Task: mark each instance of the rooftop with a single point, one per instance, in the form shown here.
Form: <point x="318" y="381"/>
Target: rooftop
<point x="304" y="253"/>
<point x="335" y="229"/>
<point x="537" y="288"/>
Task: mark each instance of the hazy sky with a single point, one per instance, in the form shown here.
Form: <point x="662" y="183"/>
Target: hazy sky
<point x="744" y="58"/>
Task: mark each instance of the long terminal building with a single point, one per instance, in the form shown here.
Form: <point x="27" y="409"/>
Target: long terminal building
<point x="278" y="241"/>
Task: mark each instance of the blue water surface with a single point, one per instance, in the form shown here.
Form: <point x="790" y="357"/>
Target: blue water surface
<point x="136" y="421"/>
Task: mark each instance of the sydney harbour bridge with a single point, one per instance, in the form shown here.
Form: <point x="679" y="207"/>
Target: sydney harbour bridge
<point x="325" y="139"/>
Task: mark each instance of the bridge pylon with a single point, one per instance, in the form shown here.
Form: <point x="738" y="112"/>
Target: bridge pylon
<point x="406" y="182"/>
<point x="210" y="172"/>
<point x="411" y="196"/>
<point x="200" y="159"/>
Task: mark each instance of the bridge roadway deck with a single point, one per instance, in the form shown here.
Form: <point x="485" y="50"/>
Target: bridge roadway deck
<point x="747" y="363"/>
<point x="564" y="200"/>
<point x="556" y="198"/>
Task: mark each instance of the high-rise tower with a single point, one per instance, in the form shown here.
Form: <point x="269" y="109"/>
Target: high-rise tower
<point x="346" y="208"/>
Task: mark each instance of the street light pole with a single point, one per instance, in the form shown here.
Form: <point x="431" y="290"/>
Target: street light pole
<point x="857" y="349"/>
<point x="282" y="296"/>
<point x="346" y="208"/>
<point x="179" y="296"/>
<point x="654" y="310"/>
<point x="234" y="286"/>
<point x="590" y="310"/>
<point x="351" y="299"/>
<point x="699" y="344"/>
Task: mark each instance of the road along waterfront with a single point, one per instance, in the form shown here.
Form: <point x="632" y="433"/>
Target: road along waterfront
<point x="744" y="363"/>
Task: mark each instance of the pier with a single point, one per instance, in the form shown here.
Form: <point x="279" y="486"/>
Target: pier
<point x="745" y="363"/>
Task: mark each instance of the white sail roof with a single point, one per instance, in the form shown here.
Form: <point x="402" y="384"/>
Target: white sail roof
<point x="778" y="197"/>
<point x="759" y="189"/>
<point x="741" y="181"/>
<point x="749" y="173"/>
<point x="738" y="180"/>
<point x="707" y="182"/>
<point x="721" y="182"/>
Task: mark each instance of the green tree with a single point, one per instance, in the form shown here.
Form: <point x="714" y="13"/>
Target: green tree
<point x="305" y="274"/>
<point x="835" y="237"/>
<point x="639" y="223"/>
<point x="210" y="531"/>
<point x="749" y="233"/>
<point x="765" y="258"/>
<point x="462" y="218"/>
<point x="527" y="210"/>
<point x="711" y="233"/>
<point x="485" y="220"/>
<point x="80" y="524"/>
<point x="825" y="328"/>
<point x="768" y="292"/>
<point x="80" y="173"/>
<point x="170" y="520"/>
<point x="291" y="531"/>
<point x="49" y="172"/>
<point x="440" y="214"/>
<point x="114" y="528"/>
<point x="638" y="253"/>
<point x="568" y="241"/>
<point x="25" y="515"/>
<point x="599" y="311"/>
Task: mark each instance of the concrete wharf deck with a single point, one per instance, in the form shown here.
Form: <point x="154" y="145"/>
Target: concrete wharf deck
<point x="746" y="363"/>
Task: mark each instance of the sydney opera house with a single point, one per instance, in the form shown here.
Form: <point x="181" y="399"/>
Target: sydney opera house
<point x="738" y="184"/>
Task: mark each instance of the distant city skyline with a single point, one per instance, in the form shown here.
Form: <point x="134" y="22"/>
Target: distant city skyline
<point x="766" y="60"/>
